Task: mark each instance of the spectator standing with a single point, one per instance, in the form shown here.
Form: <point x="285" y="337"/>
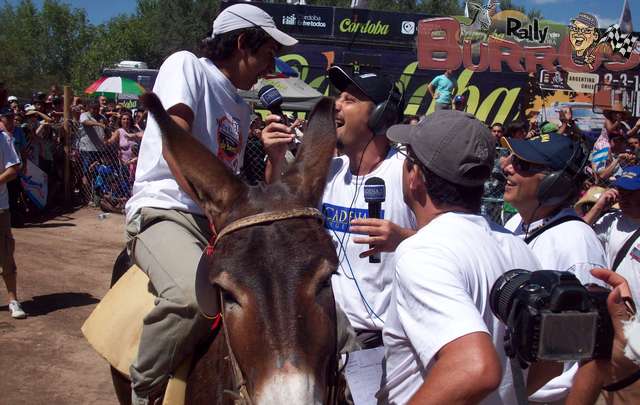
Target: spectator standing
<point x="497" y="130"/>
<point x="19" y="141"/>
<point x="544" y="175"/>
<point x="516" y="130"/>
<point x="442" y="88"/>
<point x="128" y="138"/>
<point x="91" y="142"/>
<point x="439" y="321"/>
<point x="10" y="166"/>
<point x="13" y="104"/>
<point x="568" y="126"/>
<point x="618" y="157"/>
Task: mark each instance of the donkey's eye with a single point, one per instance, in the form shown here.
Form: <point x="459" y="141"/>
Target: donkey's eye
<point x="229" y="298"/>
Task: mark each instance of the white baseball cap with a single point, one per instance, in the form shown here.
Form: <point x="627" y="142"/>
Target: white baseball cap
<point x="12" y="98"/>
<point x="245" y="16"/>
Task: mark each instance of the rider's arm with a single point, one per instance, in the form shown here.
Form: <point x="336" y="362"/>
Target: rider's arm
<point x="183" y="116"/>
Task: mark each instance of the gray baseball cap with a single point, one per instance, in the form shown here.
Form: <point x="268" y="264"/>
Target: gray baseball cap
<point x="453" y="144"/>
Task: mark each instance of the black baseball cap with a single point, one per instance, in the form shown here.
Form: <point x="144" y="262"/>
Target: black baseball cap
<point x="551" y="150"/>
<point x="453" y="144"/>
<point x="372" y="85"/>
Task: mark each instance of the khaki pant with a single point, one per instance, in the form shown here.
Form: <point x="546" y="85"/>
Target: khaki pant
<point x="167" y="246"/>
<point x="7" y="244"/>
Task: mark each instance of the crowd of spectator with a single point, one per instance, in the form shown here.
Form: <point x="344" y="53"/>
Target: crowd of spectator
<point x="105" y="139"/>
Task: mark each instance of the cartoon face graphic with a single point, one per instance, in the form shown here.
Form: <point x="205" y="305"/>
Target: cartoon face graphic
<point x="582" y="36"/>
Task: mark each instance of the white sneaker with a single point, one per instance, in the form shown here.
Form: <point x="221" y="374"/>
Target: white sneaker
<point x="16" y="310"/>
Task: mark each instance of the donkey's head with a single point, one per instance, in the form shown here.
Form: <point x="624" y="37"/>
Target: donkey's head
<point x="274" y="276"/>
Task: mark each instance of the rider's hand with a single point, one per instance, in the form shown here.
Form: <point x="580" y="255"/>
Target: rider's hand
<point x="384" y="235"/>
<point x="276" y="138"/>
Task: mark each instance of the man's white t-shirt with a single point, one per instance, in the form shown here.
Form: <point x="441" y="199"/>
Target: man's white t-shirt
<point x="443" y="278"/>
<point x="571" y="246"/>
<point x="613" y="230"/>
<point x="91" y="137"/>
<point x="8" y="158"/>
<point x="220" y="123"/>
<point x="361" y="288"/>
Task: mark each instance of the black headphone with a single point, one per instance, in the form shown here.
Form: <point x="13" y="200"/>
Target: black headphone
<point x="387" y="113"/>
<point x="558" y="186"/>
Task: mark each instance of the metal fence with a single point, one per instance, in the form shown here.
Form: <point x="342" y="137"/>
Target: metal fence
<point x="101" y="176"/>
<point x="103" y="180"/>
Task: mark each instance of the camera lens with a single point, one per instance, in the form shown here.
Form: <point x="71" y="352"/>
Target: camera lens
<point x="503" y="291"/>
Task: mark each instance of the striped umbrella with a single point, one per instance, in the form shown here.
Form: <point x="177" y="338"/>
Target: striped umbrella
<point x="115" y="84"/>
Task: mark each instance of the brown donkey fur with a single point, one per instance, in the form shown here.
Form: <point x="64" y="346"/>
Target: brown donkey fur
<point x="274" y="277"/>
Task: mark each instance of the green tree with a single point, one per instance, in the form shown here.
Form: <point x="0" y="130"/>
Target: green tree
<point x="40" y="46"/>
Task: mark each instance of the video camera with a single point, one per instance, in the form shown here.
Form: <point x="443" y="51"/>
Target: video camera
<point x="551" y="316"/>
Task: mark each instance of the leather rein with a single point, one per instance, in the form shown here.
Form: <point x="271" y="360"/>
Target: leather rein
<point x="241" y="393"/>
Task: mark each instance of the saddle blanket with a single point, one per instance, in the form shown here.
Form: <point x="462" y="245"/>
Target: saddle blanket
<point x="114" y="327"/>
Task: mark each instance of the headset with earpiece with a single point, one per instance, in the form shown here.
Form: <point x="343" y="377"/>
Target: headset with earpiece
<point x="387" y="113"/>
<point x="558" y="186"/>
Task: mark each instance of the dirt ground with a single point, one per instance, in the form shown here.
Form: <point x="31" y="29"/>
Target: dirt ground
<point x="64" y="268"/>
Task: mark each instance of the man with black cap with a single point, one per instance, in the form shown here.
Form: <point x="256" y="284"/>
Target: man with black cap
<point x="443" y="344"/>
<point x="166" y="229"/>
<point x="367" y="105"/>
<point x="544" y="175"/>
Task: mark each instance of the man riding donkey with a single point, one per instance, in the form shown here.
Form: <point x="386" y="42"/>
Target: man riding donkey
<point x="166" y="230"/>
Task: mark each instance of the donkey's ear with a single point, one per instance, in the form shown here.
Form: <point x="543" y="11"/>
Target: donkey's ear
<point x="308" y="175"/>
<point x="212" y="184"/>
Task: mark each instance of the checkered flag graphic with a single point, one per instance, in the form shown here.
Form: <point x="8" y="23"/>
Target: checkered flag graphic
<point x="620" y="42"/>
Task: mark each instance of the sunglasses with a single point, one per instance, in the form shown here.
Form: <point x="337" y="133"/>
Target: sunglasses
<point x="521" y="165"/>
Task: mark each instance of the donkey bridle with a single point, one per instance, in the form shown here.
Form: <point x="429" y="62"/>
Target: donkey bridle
<point x="241" y="394"/>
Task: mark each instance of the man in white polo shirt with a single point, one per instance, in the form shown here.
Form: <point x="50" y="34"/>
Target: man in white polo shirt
<point x="166" y="229"/>
<point x="443" y="344"/>
<point x="543" y="178"/>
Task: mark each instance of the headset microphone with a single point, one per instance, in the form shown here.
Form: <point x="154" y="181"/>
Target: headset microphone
<point x="271" y="99"/>
<point x="374" y="195"/>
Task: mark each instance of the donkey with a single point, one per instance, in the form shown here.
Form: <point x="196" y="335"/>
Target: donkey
<point x="274" y="277"/>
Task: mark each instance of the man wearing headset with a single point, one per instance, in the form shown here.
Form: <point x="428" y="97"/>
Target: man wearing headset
<point x="544" y="174"/>
<point x="367" y="105"/>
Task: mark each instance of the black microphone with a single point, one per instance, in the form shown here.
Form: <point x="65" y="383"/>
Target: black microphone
<point x="271" y="99"/>
<point x="374" y="194"/>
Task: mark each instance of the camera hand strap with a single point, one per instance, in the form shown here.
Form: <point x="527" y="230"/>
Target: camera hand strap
<point x="519" y="385"/>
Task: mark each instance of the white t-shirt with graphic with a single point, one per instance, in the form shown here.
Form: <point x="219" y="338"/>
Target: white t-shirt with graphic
<point x="361" y="288"/>
<point x="220" y="123"/>
<point x="613" y="230"/>
<point x="571" y="246"/>
<point x="8" y="158"/>
<point x="443" y="279"/>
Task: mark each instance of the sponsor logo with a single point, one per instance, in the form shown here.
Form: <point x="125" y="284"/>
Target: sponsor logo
<point x="369" y="27"/>
<point x="314" y="21"/>
<point x="408" y="28"/>
<point x="531" y="32"/>
<point x="338" y="218"/>
<point x="229" y="141"/>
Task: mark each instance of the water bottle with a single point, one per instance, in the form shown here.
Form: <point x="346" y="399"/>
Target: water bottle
<point x="103" y="215"/>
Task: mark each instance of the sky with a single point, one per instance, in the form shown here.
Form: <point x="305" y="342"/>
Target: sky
<point x="607" y="11"/>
